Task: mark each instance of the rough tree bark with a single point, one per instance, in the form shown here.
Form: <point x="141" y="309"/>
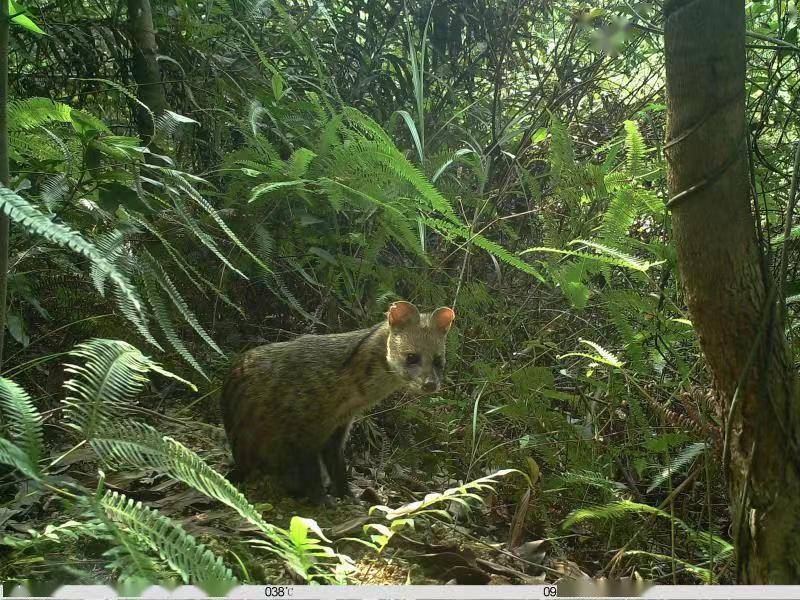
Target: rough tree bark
<point x="728" y="289"/>
<point x="146" y="72"/>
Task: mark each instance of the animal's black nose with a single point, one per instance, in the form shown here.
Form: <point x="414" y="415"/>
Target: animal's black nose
<point x="429" y="386"/>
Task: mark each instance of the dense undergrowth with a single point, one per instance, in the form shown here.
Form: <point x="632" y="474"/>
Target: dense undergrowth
<point x="318" y="161"/>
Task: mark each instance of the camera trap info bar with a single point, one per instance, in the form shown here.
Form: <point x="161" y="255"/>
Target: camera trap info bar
<point x="571" y="589"/>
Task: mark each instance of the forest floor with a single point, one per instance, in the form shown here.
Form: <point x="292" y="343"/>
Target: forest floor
<point x="467" y="546"/>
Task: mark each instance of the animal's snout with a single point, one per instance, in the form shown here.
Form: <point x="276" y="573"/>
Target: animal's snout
<point x="430" y="385"/>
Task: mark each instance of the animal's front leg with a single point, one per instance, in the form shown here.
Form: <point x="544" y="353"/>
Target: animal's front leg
<point x="333" y="457"/>
<point x="304" y="477"/>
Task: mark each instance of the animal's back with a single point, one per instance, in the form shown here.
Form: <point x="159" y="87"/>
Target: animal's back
<point x="280" y="395"/>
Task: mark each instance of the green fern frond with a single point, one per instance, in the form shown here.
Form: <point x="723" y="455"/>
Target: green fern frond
<point x="366" y="125"/>
<point x="164" y="321"/>
<point x="456" y="494"/>
<point x="608" y="255"/>
<point x="622" y="307"/>
<point x="570" y="278"/>
<point x="54" y="191"/>
<point x="204" y="238"/>
<point x="621" y="509"/>
<point x="211" y="211"/>
<point x="191" y="273"/>
<point x="141" y="324"/>
<point x="35" y="112"/>
<point x="254" y="113"/>
<point x="136" y="445"/>
<point x="452" y="159"/>
<point x="21" y="211"/>
<point x="649" y="201"/>
<point x="399" y="165"/>
<point x="704" y="575"/>
<point x="101" y="389"/>
<point x="624" y="258"/>
<point x="159" y="275"/>
<point x="602" y="355"/>
<point x="607" y="356"/>
<point x="612" y="512"/>
<point x="129" y="556"/>
<point x="616" y="180"/>
<point x="593" y="479"/>
<point x="23" y="419"/>
<point x="110" y="244"/>
<point x="168" y="124"/>
<point x="399" y="222"/>
<point x="635" y="149"/>
<point x="185" y="555"/>
<point x="277" y="285"/>
<point x="620" y="215"/>
<point x="270" y="186"/>
<point x="14" y="456"/>
<point x="684" y="457"/>
<point x="297" y="165"/>
<point x="452" y="230"/>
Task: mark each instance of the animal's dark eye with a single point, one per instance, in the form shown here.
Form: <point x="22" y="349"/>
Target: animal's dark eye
<point x="438" y="361"/>
<point x="412" y="359"/>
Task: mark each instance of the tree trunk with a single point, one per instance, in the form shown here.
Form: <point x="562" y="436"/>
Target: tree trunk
<point x="727" y="287"/>
<point x="5" y="23"/>
<point x="146" y="72"/>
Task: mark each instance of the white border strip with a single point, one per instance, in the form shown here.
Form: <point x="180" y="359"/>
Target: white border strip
<point x="420" y="592"/>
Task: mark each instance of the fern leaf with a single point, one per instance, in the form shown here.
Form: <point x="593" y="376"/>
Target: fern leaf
<point x="608" y="255"/>
<point x="602" y="356"/>
<point x="35" y="112"/>
<point x="203" y="203"/>
<point x="621" y="509"/>
<point x="625" y="259"/>
<point x="14" y="456"/>
<point x="110" y="244"/>
<point x="593" y="479"/>
<point x="204" y="238"/>
<point x="136" y="445"/>
<point x="101" y="389"/>
<point x="366" y="124"/>
<point x="635" y="148"/>
<point x="129" y="555"/>
<point x="398" y="220"/>
<point x="20" y="211"/>
<point x="401" y="167"/>
<point x="189" y="558"/>
<point x="562" y="153"/>
<point x="164" y="321"/>
<point x="159" y="275"/>
<point x="450" y="161"/>
<point x="23" y="419"/>
<point x="298" y="163"/>
<point x="270" y="186"/>
<point x="450" y="229"/>
<point x="702" y="574"/>
<point x="685" y="457"/>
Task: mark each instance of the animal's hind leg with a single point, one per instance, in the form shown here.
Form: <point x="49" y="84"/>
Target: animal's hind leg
<point x="333" y="457"/>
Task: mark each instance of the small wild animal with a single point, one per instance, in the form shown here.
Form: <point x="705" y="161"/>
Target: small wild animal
<point x="288" y="407"/>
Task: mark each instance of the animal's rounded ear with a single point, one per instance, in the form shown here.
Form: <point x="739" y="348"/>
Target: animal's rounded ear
<point x="442" y="318"/>
<point x="402" y="313"/>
